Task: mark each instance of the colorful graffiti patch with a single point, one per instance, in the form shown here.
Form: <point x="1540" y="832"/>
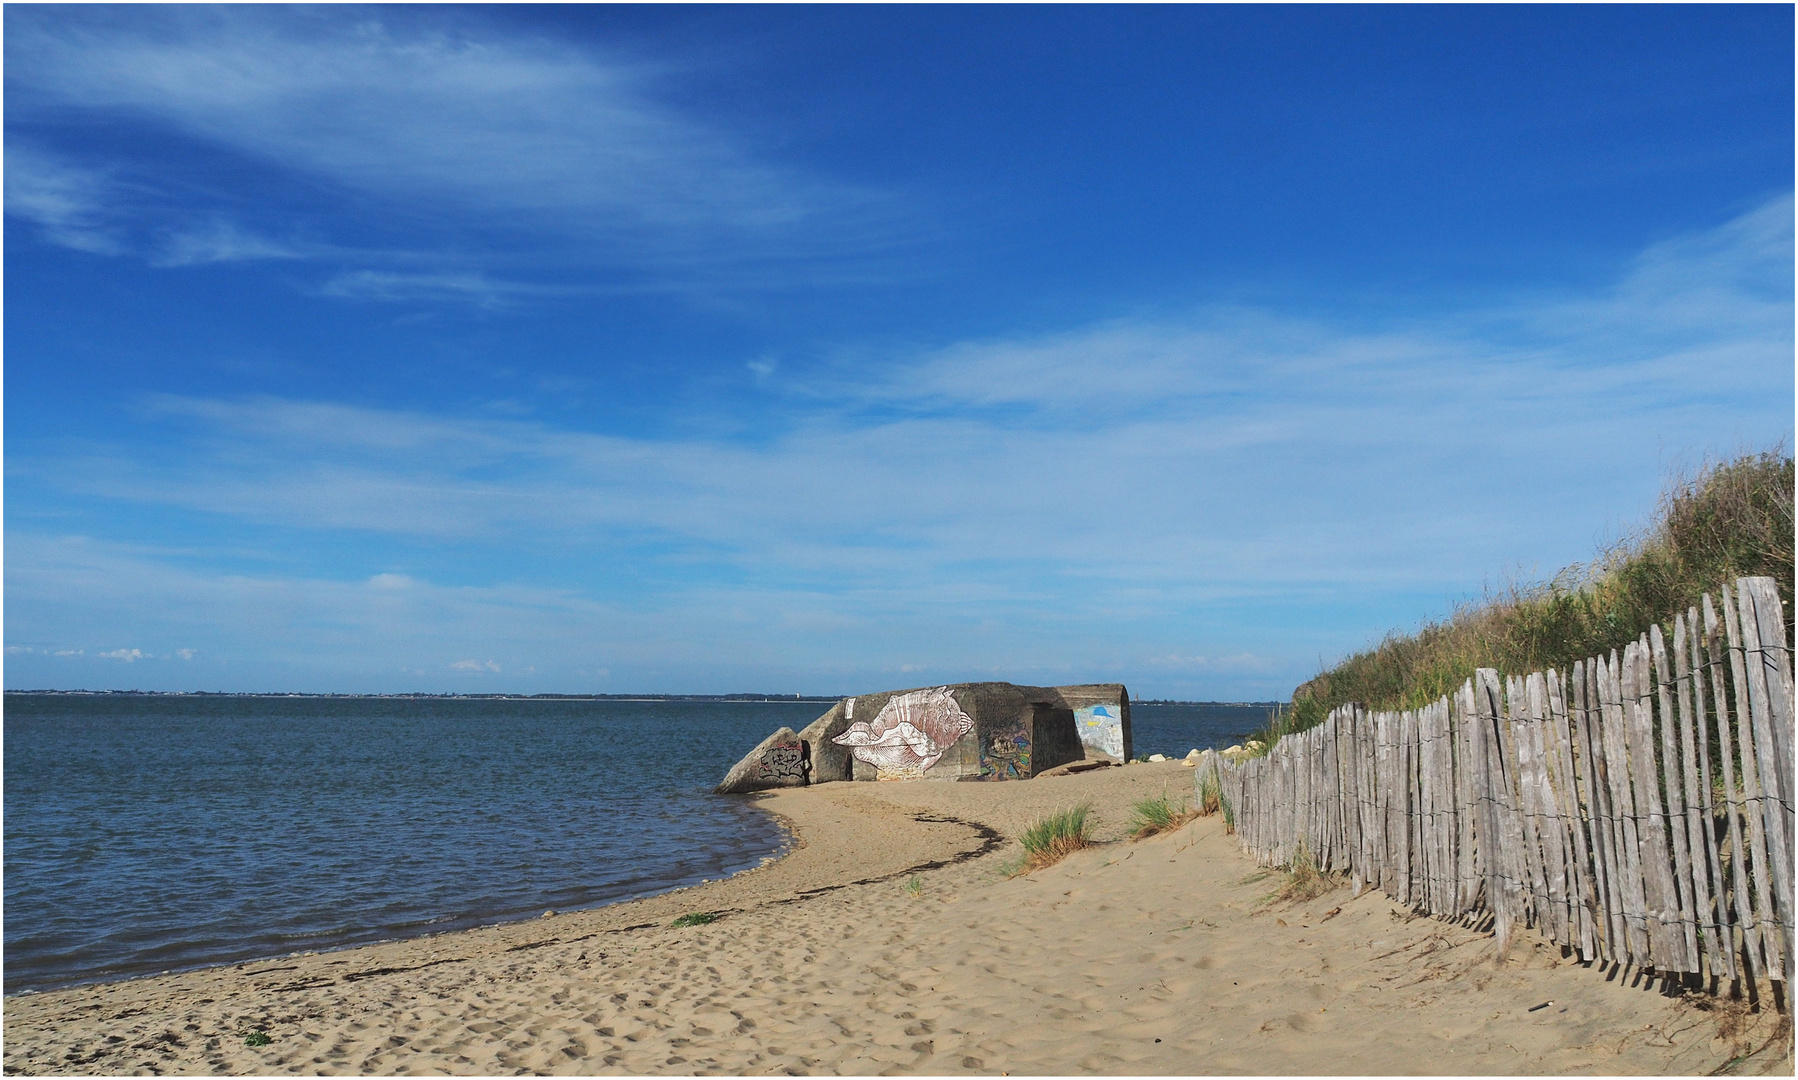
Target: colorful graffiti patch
<point x="1005" y="757"/>
<point x="1101" y="728"/>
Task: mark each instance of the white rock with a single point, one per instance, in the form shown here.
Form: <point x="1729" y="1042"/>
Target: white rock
<point x="1157" y="757"/>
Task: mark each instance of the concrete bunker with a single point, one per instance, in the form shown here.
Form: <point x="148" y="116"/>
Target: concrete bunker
<point x="990" y="731"/>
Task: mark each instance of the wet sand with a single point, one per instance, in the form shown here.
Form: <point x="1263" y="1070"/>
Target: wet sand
<point x="1162" y="956"/>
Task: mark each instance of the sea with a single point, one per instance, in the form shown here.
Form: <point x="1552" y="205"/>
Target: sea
<point x="154" y="833"/>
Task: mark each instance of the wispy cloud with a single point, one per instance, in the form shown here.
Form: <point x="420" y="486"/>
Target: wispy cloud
<point x="1113" y="492"/>
<point x="441" y="128"/>
<point x="475" y="288"/>
<point x="106" y="212"/>
<point x="68" y="202"/>
<point x="219" y="241"/>
<point x="1229" y="412"/>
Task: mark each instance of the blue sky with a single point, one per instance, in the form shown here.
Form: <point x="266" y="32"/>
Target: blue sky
<point x="826" y="350"/>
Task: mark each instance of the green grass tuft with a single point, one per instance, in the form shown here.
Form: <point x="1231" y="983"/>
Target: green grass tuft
<point x="1211" y="794"/>
<point x="915" y="887"/>
<point x="1156" y="815"/>
<point x="256" y="1038"/>
<point x="695" y="918"/>
<point x="1053" y="838"/>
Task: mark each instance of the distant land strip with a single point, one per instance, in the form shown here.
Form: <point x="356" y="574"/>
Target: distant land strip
<point x="820" y="698"/>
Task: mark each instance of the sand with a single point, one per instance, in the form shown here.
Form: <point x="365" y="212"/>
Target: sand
<point x="1158" y="956"/>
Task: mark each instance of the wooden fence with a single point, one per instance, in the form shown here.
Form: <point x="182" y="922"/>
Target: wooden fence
<point x="1638" y="809"/>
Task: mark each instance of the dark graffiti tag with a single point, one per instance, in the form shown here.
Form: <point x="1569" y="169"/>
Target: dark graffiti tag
<point x="783" y="761"/>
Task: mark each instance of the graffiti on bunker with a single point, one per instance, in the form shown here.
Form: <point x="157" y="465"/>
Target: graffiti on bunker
<point x="1102" y="728"/>
<point x="910" y="733"/>
<point x="783" y="761"/>
<point x="1005" y="755"/>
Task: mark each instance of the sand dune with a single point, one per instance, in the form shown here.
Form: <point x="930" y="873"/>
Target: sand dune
<point x="1153" y="957"/>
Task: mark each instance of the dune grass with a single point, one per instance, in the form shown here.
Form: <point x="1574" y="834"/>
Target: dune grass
<point x="1212" y="801"/>
<point x="694" y="918"/>
<point x="1211" y="794"/>
<point x="1052" y="839"/>
<point x="1157" y="815"/>
<point x="1729" y="520"/>
<point x="1304" y="881"/>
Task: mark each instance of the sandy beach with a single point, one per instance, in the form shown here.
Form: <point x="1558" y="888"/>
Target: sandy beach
<point x="1155" y="957"/>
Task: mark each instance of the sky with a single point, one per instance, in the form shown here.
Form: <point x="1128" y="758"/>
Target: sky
<point x="829" y="350"/>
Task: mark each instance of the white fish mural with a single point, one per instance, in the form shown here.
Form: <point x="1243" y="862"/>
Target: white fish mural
<point x="909" y="734"/>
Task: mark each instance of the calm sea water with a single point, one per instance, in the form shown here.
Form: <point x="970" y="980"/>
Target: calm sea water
<point x="1175" y="729"/>
<point x="156" y="833"/>
<point x="145" y="834"/>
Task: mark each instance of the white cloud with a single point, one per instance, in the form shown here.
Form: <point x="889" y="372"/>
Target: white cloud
<point x="1265" y="449"/>
<point x="1136" y="496"/>
<point x="219" y="241"/>
<point x="129" y="656"/>
<point x="392" y="285"/>
<point x="475" y="666"/>
<point x="463" y="129"/>
<point x="68" y="202"/>
<point x="99" y="211"/>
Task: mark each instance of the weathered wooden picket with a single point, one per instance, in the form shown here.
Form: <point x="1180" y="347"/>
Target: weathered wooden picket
<point x="1638" y="810"/>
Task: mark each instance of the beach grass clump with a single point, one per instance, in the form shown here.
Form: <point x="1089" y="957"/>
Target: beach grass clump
<point x="256" y="1038"/>
<point x="694" y="918"/>
<point x="1727" y="520"/>
<point x="915" y="887"/>
<point x="1213" y="801"/>
<point x="1157" y="815"/>
<point x="1053" y="839"/>
<point x="1304" y="881"/>
<point x="1211" y="794"/>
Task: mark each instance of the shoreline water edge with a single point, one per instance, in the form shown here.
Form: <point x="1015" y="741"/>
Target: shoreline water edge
<point x="890" y="936"/>
<point x="780" y="851"/>
<point x="156" y="833"/>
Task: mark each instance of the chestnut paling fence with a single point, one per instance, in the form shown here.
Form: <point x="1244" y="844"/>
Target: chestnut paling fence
<point x="1637" y="809"/>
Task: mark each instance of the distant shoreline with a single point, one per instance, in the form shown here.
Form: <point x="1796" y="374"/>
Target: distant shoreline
<point x="750" y="698"/>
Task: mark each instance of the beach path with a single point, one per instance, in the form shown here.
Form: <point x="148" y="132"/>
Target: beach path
<point x="1155" y="957"/>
